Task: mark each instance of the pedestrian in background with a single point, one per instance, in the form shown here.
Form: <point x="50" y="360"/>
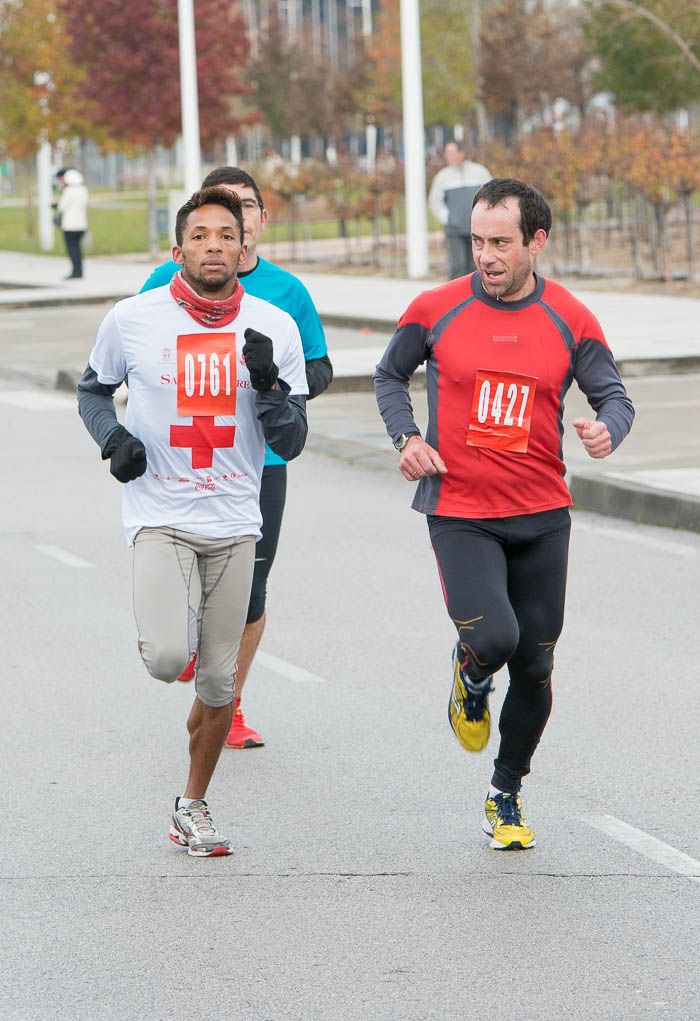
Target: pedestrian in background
<point x="450" y="201"/>
<point x="71" y="217"/>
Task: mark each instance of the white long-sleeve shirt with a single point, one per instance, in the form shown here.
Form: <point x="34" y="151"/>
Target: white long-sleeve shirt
<point x="452" y="211"/>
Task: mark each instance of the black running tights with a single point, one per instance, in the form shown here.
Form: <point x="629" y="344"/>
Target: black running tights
<point x="504" y="582"/>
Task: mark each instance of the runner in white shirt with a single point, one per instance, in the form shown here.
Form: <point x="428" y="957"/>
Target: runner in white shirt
<point x="213" y="374"/>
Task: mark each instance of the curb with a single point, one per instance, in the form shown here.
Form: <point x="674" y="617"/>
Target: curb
<point x="633" y="502"/>
<point x="58" y="301"/>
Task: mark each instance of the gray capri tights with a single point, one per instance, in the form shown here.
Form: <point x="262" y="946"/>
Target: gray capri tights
<point x="192" y="592"/>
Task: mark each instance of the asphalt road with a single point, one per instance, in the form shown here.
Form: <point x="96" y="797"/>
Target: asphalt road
<point x="362" y="886"/>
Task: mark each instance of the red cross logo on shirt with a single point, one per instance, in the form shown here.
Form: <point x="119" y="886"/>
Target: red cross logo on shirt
<point x="203" y="437"/>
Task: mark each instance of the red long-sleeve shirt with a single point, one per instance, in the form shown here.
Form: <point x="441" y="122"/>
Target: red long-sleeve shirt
<point x="497" y="374"/>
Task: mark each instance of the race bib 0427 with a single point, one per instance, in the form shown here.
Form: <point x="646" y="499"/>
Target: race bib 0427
<point x="206" y="374"/>
<point x="501" y="412"/>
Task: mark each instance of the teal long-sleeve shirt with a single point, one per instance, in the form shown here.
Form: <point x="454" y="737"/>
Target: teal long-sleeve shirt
<point x="283" y="289"/>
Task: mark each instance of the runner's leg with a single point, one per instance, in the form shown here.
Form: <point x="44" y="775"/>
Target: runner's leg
<point x="537" y="567"/>
<point x="473" y="571"/>
<point x="164" y="582"/>
<point x="225" y="570"/>
<point x="273" y="492"/>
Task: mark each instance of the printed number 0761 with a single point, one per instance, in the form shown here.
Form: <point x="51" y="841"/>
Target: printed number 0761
<point x="212" y="377"/>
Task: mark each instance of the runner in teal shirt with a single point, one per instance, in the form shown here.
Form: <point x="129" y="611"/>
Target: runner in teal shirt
<point x="271" y="283"/>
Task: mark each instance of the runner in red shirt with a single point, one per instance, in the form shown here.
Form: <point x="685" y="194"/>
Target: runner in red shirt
<point x="502" y="347"/>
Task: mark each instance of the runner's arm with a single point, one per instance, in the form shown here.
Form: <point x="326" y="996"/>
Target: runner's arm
<point x="283" y="418"/>
<point x="598" y="377"/>
<point x="407" y="349"/>
<point x="96" y="407"/>
<point x="319" y="371"/>
<point x="319" y="374"/>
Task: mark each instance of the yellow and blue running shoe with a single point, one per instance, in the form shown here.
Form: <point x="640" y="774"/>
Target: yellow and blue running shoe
<point x="505" y="823"/>
<point x="468" y="710"/>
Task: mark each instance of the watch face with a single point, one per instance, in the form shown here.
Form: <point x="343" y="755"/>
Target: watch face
<point x="400" y="442"/>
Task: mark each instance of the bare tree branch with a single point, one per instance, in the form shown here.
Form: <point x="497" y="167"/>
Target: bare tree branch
<point x="670" y="33"/>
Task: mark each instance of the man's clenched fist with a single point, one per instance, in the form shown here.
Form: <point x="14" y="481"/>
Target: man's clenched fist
<point x="257" y="352"/>
<point x="127" y="455"/>
<point x="594" y="436"/>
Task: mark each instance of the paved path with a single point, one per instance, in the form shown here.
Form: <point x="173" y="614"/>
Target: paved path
<point x="649" y="335"/>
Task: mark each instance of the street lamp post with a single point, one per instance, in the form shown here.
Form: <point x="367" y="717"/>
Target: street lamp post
<point x="414" y="141"/>
<point x="191" y="154"/>
<point x="43" y="84"/>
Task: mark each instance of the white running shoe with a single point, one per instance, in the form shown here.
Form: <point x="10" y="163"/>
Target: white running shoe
<point x="194" y="829"/>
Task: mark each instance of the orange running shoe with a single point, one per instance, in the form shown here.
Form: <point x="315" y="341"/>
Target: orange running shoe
<point x="241" y="735"/>
<point x="190" y="670"/>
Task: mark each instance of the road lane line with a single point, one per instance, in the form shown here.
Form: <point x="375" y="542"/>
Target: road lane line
<point x="647" y="845"/>
<point x="63" y="556"/>
<point x="292" y="673"/>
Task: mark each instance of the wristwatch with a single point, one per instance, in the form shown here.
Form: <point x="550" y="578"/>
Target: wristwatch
<point x="402" y="439"/>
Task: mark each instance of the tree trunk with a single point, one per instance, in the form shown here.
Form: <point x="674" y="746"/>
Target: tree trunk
<point x="661" y="259"/>
<point x="688" y="209"/>
<point x="28" y="171"/>
<point x="584" y="242"/>
<point x="635" y="231"/>
<point x="152" y="187"/>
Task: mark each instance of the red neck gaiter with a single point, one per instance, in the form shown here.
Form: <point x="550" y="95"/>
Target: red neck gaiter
<point x="206" y="312"/>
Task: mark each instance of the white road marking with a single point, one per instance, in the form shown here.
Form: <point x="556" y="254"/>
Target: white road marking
<point x="292" y="673"/>
<point x="646" y="845"/>
<point x="63" y="556"/>
<point x="681" y="549"/>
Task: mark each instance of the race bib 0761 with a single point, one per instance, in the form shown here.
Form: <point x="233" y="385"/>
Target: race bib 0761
<point x="206" y="374"/>
<point x="501" y="412"/>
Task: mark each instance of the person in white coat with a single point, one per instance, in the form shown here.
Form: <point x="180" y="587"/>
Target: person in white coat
<point x="450" y="201"/>
<point x="72" y="217"/>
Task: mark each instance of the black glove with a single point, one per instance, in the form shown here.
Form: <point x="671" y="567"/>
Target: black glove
<point x="257" y="352"/>
<point x="127" y="455"/>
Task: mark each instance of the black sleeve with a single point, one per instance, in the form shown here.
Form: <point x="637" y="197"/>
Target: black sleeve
<point x="597" y="375"/>
<point x="283" y="417"/>
<point x="96" y="407"/>
<point x="319" y="375"/>
<point x="407" y="349"/>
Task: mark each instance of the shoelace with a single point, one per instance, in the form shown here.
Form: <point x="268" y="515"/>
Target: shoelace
<point x="508" y="809"/>
<point x="200" y="821"/>
<point x="475" y="701"/>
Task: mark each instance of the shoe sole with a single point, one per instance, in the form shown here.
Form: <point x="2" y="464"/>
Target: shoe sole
<point x="243" y="747"/>
<point x="220" y="851"/>
<point x="515" y="845"/>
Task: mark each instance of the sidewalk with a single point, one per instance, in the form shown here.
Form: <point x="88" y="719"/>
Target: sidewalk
<point x="650" y="335"/>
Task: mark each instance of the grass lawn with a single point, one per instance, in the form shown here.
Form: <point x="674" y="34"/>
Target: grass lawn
<point x="113" y="231"/>
<point x="120" y="231"/>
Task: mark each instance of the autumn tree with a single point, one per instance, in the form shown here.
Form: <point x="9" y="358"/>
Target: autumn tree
<point x="37" y="84"/>
<point x="131" y="82"/>
<point x="447" y="57"/>
<point x="647" y="64"/>
<point x="532" y="53"/>
<point x="661" y="167"/>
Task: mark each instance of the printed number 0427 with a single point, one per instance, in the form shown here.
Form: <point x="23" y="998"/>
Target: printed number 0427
<point x="212" y="377"/>
<point x="495" y="407"/>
